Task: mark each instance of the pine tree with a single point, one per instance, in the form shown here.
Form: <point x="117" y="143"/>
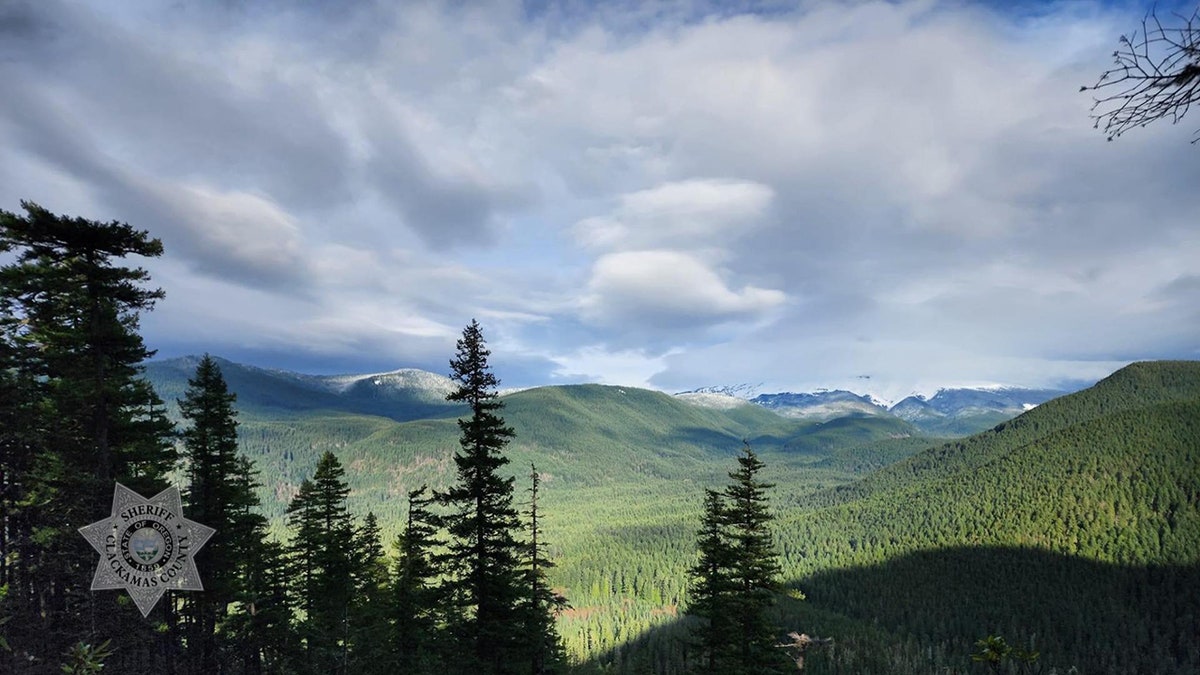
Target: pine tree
<point x="736" y="579"/>
<point x="322" y="555"/>
<point x="542" y="604"/>
<point x="484" y="555"/>
<point x="302" y="550"/>
<point x="256" y="625"/>
<point x="220" y="493"/>
<point x="18" y="436"/>
<point x="415" y="599"/>
<point x="261" y="630"/>
<point x="711" y="587"/>
<point x="70" y="329"/>
<point x="369" y="610"/>
<point x="754" y="569"/>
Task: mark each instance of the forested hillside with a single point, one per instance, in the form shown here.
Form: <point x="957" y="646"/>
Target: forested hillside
<point x="1075" y="527"/>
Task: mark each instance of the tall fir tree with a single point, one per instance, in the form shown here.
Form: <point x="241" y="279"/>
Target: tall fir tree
<point x="262" y="630"/>
<point x="70" y="329"/>
<point x="221" y="494"/>
<point x="369" y="629"/>
<point x="711" y="587"/>
<point x="485" y="584"/>
<point x="755" y="570"/>
<point x="735" y="580"/>
<point x="542" y="603"/>
<point x="415" y="598"/>
<point x="322" y="554"/>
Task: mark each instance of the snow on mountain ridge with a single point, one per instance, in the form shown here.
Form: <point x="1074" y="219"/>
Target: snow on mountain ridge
<point x="404" y="378"/>
<point x="718" y="401"/>
<point x="744" y="391"/>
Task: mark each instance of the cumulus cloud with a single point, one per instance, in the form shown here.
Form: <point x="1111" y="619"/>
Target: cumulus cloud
<point x="658" y="277"/>
<point x="646" y="291"/>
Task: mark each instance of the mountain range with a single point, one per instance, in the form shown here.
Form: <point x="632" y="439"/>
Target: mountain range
<point x="401" y="395"/>
<point x="411" y="394"/>
<point x="949" y="412"/>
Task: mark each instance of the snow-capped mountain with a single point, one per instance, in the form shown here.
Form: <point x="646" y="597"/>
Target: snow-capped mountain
<point x="715" y="400"/>
<point x="744" y="391"/>
<point x="962" y="410"/>
<point x="409" y="394"/>
<point x="400" y="394"/>
<point x="967" y="401"/>
<point x="949" y="412"/>
<point x="414" y="382"/>
<point x="720" y="397"/>
<point x="821" y="404"/>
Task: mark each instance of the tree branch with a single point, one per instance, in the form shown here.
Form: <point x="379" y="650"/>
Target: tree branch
<point x="1157" y="75"/>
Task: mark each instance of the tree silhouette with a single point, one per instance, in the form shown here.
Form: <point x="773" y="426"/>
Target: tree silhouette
<point x="483" y="556"/>
<point x="220" y="493"/>
<point x="1157" y="75"/>
<point x="737" y="577"/>
<point x="82" y="416"/>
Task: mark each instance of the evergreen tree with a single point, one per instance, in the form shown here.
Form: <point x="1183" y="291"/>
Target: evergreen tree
<point x="483" y="558"/>
<point x="415" y="599"/>
<point x="70" y="331"/>
<point x="754" y="569"/>
<point x="18" y="436"/>
<point x="542" y="604"/>
<point x="221" y="494"/>
<point x="323" y="561"/>
<point x="711" y="586"/>
<point x="257" y="624"/>
<point x="260" y="631"/>
<point x="736" y="579"/>
<point x="369" y="628"/>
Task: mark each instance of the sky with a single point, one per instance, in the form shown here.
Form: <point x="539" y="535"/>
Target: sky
<point x="888" y="197"/>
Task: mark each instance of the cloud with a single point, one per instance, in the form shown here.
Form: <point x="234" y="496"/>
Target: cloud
<point x="657" y="280"/>
<point x="594" y="363"/>
<point x="226" y="233"/>
<point x="679" y="213"/>
<point x="446" y="207"/>
<point x="650" y="291"/>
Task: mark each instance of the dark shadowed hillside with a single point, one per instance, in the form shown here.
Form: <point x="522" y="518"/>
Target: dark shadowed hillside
<point x="1076" y="525"/>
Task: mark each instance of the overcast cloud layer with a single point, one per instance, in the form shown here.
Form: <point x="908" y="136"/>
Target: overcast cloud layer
<point x="670" y="195"/>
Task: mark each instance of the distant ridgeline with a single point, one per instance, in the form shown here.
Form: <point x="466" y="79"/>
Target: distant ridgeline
<point x="1075" y="525"/>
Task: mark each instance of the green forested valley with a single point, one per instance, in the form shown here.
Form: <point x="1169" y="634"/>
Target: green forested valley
<point x="1074" y="528"/>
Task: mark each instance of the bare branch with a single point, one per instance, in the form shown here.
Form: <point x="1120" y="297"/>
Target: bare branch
<point x="1157" y="75"/>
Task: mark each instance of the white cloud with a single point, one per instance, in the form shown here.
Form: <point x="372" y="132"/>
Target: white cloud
<point x="594" y="363"/>
<point x="237" y="228"/>
<point x="668" y="290"/>
<point x="688" y="213"/>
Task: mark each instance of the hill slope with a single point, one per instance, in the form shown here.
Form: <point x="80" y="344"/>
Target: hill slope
<point x="1076" y="524"/>
<point x="1136" y="387"/>
<point x="401" y="395"/>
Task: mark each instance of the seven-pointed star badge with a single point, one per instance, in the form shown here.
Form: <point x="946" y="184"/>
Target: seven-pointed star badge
<point x="146" y="546"/>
